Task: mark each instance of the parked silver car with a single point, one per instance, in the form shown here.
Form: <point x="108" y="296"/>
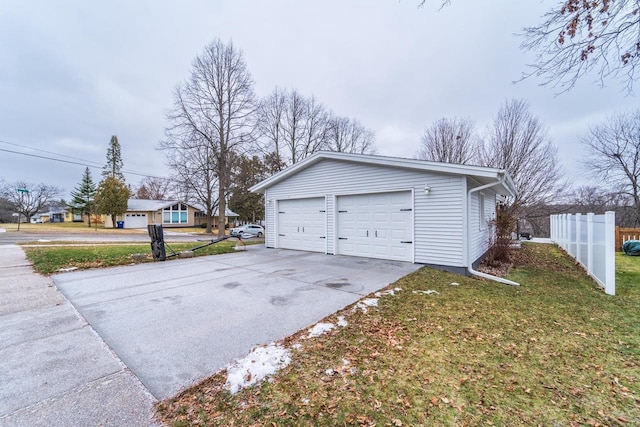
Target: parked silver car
<point x="248" y="230"/>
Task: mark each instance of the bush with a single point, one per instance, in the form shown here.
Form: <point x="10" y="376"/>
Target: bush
<point x="500" y="230"/>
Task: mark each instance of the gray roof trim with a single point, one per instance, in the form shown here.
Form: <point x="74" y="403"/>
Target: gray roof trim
<point x="397" y="162"/>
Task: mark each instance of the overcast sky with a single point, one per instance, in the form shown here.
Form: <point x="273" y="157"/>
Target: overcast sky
<point x="74" y="73"/>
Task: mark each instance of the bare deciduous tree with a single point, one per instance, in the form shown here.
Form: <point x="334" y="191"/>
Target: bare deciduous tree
<point x="347" y="135"/>
<point x="31" y="201"/>
<point x="292" y="127"/>
<point x="518" y="142"/>
<point x="577" y="37"/>
<point x="270" y="128"/>
<point x="217" y="103"/>
<point x="614" y="147"/>
<point x="449" y="141"/>
<point x="193" y="162"/>
<point x="153" y="188"/>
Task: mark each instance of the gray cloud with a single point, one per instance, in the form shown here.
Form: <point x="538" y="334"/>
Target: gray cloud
<point x="74" y="73"/>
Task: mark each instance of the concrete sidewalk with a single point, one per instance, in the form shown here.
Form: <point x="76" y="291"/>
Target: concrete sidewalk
<point x="54" y="369"/>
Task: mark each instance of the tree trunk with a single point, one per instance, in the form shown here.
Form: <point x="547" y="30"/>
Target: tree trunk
<point x="222" y="207"/>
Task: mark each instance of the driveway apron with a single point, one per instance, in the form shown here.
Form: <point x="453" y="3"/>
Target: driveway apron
<point x="174" y="323"/>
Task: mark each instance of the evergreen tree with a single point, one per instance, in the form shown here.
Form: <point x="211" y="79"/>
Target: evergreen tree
<point x="82" y="196"/>
<point x="112" y="198"/>
<point x="250" y="206"/>
<point x="113" y="168"/>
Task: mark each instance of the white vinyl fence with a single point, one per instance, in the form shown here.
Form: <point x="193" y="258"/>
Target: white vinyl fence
<point x="590" y="239"/>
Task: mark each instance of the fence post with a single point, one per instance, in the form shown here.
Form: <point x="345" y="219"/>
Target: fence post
<point x="578" y="219"/>
<point x="572" y="228"/>
<point x="618" y="239"/>
<point x="610" y="253"/>
<point x="590" y="243"/>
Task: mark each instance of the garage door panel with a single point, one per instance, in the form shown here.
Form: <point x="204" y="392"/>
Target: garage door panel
<point x="135" y="220"/>
<point x="302" y="224"/>
<point x="376" y="225"/>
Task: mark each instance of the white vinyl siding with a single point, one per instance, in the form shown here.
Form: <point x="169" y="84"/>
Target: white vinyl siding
<point x="438" y="216"/>
<point x="270" y="207"/>
<point x="480" y="232"/>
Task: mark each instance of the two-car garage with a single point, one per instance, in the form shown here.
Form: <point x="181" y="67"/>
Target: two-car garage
<point x="377" y="225"/>
<point x="384" y="207"/>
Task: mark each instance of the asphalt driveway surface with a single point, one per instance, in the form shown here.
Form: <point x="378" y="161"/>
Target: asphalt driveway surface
<point x="180" y="321"/>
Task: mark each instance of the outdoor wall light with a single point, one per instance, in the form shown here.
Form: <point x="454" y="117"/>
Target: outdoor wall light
<point x="427" y="189"/>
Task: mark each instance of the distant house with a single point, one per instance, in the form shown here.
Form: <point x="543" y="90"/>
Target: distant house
<point x="55" y="214"/>
<point x="169" y="213"/>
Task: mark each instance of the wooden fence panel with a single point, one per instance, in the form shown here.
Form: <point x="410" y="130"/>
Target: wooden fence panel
<point x="624" y="234"/>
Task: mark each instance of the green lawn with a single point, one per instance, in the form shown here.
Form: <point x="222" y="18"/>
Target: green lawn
<point x="54" y="256"/>
<point x="554" y="351"/>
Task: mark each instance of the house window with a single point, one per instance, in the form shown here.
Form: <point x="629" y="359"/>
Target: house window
<point x="482" y="213"/>
<point x="175" y="214"/>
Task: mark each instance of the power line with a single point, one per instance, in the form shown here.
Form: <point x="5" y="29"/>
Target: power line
<point x="75" y="163"/>
<point x="48" y="152"/>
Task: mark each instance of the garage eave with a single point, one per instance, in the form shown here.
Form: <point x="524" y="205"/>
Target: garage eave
<point x="394" y="162"/>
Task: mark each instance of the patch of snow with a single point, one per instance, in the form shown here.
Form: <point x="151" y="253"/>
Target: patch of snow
<point x="388" y="292"/>
<point x="67" y="269"/>
<point x="341" y="322"/>
<point x="454" y="284"/>
<point x="260" y="363"/>
<point x="319" y="329"/>
<point x="429" y="292"/>
<point x="296" y="346"/>
<point x="43" y="240"/>
<point x="365" y="303"/>
<point x="2" y="230"/>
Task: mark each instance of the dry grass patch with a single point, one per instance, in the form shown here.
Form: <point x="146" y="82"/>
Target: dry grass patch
<point x="555" y="351"/>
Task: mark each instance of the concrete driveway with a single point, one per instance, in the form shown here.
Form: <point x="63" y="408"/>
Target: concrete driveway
<point x="180" y="321"/>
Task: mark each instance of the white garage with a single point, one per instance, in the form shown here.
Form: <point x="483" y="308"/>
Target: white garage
<point x="135" y="220"/>
<point x="301" y="224"/>
<point x="438" y="214"/>
<point x="378" y="225"/>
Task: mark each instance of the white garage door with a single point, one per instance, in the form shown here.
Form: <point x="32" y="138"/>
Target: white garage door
<point x="301" y="224"/>
<point x="135" y="220"/>
<point x="376" y="226"/>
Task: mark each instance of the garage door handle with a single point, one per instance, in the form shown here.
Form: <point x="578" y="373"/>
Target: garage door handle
<point x="322" y="237"/>
<point x="406" y="241"/>
<point x="298" y="229"/>
<point x="342" y="238"/>
<point x="367" y="233"/>
<point x="282" y="235"/>
<point x="376" y="233"/>
<point x="303" y="229"/>
<point x="342" y="211"/>
<point x="406" y="210"/>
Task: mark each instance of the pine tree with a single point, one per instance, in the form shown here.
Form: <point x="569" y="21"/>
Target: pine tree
<point x="113" y="167"/>
<point x="82" y="196"/>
